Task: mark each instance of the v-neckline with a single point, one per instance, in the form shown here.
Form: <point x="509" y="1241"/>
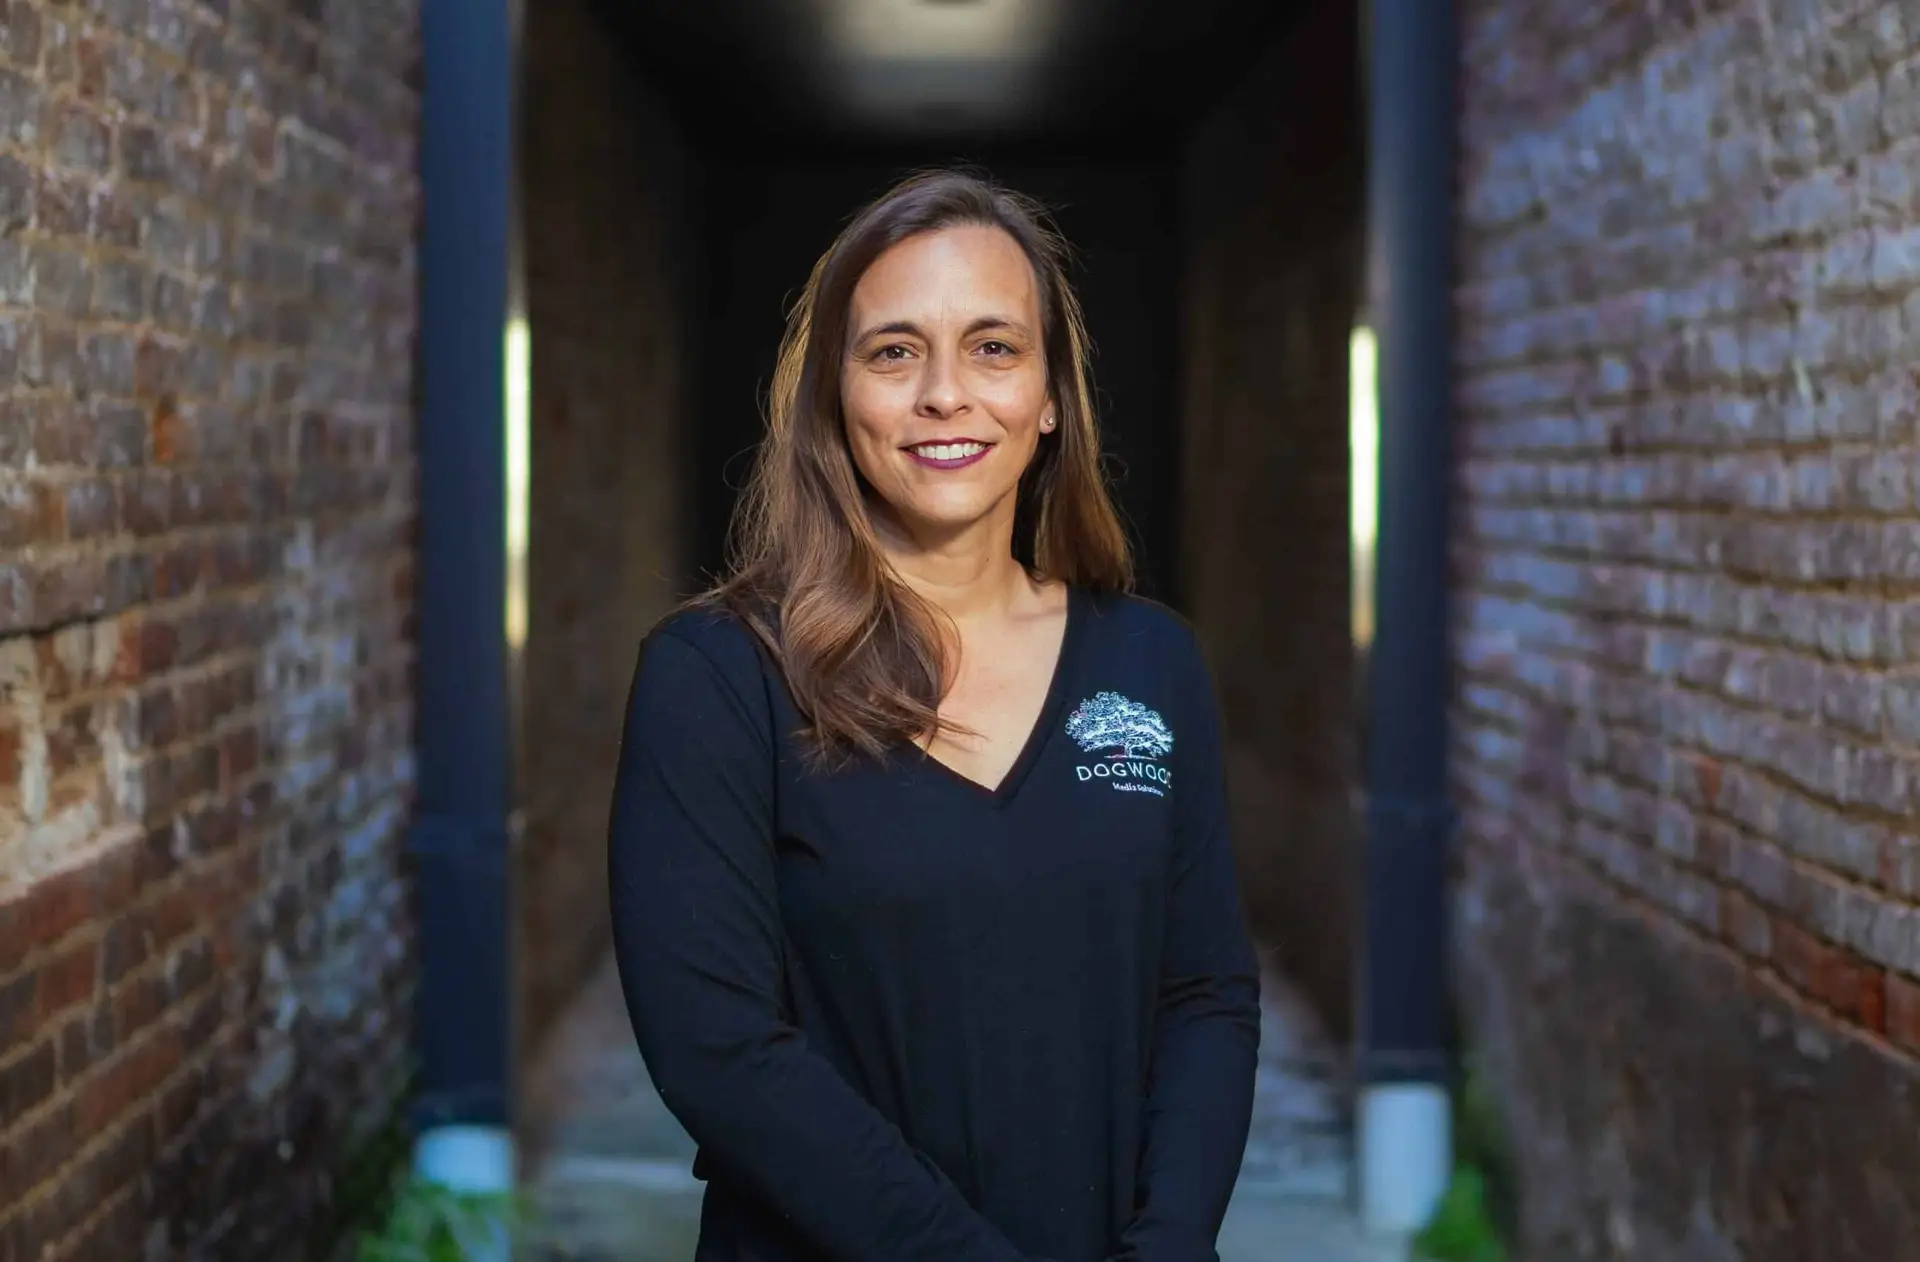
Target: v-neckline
<point x="1042" y="729"/>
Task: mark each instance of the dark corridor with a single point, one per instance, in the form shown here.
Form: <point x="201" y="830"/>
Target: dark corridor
<point x="684" y="167"/>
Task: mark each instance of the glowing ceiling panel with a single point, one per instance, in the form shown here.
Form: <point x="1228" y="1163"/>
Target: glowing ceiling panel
<point x="940" y="30"/>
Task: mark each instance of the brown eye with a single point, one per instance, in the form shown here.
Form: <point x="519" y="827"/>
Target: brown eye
<point x="996" y="348"/>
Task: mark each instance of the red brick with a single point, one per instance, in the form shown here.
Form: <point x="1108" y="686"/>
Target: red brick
<point x="215" y="827"/>
<point x="239" y="757"/>
<point x="25" y="1082"/>
<point x="1852" y="987"/>
<point x="191" y="967"/>
<point x="69" y="978"/>
<point x="1801" y="958"/>
<point x="147" y="646"/>
<point x="1746" y="925"/>
<point x="202" y="1006"/>
<point x="91" y="56"/>
<point x="19" y="1008"/>
<point x="43" y="914"/>
<point x="151" y="502"/>
<point x="183" y="907"/>
<point x="72" y="738"/>
<point x="138" y="1002"/>
<point x="183" y="568"/>
<point x="1903" y="1012"/>
<point x="30" y="513"/>
<point x="9" y="755"/>
<point x="91" y="509"/>
<point x="125" y="945"/>
<point x="1900" y="866"/>
<point x="1871" y="1010"/>
<point x="77" y="1195"/>
<point x="33" y="1153"/>
<point x="114" y="878"/>
<point x="181" y="1102"/>
<point x="118" y="1087"/>
<point x="158" y="366"/>
<point x="86" y="1039"/>
<point x="120" y="1231"/>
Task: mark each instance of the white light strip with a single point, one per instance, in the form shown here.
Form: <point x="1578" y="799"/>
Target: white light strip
<point x="1363" y="443"/>
<point x="519" y="356"/>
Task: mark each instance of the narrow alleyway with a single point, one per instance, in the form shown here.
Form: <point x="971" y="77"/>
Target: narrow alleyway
<point x="609" y="1167"/>
<point x="1218" y="234"/>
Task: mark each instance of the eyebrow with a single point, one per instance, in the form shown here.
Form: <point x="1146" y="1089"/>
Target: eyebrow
<point x="980" y="325"/>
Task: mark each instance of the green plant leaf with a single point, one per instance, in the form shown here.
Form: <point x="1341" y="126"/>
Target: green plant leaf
<point x="1461" y="1230"/>
<point x="428" y="1222"/>
<point x="373" y="1249"/>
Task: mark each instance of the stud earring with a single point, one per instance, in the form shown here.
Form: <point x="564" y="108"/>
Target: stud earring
<point x="1047" y="423"/>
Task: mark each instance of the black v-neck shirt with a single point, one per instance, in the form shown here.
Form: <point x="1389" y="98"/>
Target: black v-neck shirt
<point x="908" y="1018"/>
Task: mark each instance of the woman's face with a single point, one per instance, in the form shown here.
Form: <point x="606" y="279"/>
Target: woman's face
<point x="944" y="388"/>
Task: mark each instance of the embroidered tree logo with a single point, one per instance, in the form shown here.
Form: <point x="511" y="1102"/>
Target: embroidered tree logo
<point x="1108" y="720"/>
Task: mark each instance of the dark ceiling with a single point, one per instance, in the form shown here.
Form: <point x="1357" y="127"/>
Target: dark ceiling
<point x="1105" y="74"/>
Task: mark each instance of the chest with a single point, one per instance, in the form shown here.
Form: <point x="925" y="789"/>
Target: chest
<point x="995" y="704"/>
<point x="1085" y="821"/>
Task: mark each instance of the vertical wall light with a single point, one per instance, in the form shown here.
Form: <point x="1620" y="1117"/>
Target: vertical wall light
<point x="519" y="441"/>
<point x="1363" y="445"/>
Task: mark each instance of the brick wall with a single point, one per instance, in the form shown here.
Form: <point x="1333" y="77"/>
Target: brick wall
<point x="604" y="189"/>
<point x="1688" y="639"/>
<point x="205" y="491"/>
<point x="1271" y="196"/>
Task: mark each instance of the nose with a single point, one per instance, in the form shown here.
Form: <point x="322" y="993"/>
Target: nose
<point x="942" y="394"/>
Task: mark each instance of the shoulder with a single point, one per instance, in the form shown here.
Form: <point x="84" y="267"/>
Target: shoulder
<point x="701" y="652"/>
<point x="712" y="631"/>
<point x="1157" y="627"/>
<point x="1139" y="639"/>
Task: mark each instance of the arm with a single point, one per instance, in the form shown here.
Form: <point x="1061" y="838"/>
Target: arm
<point x="1207" y="1027"/>
<point x="697" y="936"/>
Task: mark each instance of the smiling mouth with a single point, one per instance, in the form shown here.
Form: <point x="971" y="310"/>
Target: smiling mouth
<point x="949" y="455"/>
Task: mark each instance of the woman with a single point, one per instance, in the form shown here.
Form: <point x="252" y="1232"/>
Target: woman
<point x="923" y="896"/>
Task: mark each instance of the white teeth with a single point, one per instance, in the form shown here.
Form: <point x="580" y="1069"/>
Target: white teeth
<point x="950" y="451"/>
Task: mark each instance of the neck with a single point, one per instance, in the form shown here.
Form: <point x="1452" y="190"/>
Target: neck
<point x="967" y="575"/>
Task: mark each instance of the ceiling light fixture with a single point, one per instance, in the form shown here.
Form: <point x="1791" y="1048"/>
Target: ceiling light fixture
<point x="940" y="30"/>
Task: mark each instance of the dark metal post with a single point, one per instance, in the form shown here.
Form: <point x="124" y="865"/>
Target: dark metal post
<point x="464" y="823"/>
<point x="1403" y="1057"/>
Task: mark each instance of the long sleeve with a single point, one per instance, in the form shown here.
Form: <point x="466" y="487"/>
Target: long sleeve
<point x="697" y="934"/>
<point x="1207" y="1027"/>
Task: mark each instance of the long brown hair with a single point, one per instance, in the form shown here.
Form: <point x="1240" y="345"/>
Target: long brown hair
<point x="862" y="654"/>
